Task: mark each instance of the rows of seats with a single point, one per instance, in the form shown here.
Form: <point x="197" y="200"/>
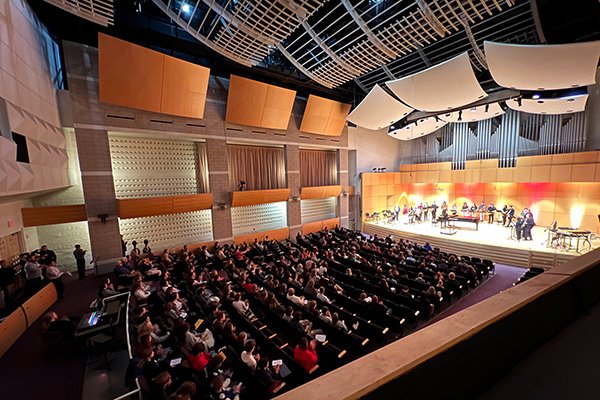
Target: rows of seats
<point x="530" y="273"/>
<point x="258" y="309"/>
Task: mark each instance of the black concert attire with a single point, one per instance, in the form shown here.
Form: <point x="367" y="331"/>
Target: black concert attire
<point x="491" y="210"/>
<point x="527" y="226"/>
<point x="434" y="208"/>
<point x="519" y="227"/>
<point x="79" y="255"/>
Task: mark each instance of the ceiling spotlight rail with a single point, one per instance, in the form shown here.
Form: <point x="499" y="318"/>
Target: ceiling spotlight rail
<point x="98" y="11"/>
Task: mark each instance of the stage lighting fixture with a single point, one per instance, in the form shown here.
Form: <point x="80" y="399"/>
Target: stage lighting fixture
<point x="474" y="109"/>
<point x="487" y="107"/>
<point x="374" y="169"/>
<point x="520" y="102"/>
<point x="459" y="116"/>
<point x="383" y="169"/>
<point x="186" y="8"/>
<point x="393" y="127"/>
<point x="536" y="96"/>
<point x="570" y="100"/>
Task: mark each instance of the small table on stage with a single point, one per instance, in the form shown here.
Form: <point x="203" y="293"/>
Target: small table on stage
<point x="445" y="223"/>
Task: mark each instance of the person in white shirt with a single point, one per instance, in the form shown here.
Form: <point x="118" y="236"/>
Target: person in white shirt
<point x="55" y="276"/>
<point x="296" y="299"/>
<point x="242" y="306"/>
<point x="248" y="356"/>
<point x="321" y="296"/>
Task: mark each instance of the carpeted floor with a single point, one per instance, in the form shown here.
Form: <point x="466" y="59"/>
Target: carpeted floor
<point x="28" y="372"/>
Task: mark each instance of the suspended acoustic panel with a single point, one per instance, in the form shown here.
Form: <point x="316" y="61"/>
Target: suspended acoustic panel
<point x="378" y="110"/>
<point x="417" y="129"/>
<point x="473" y="114"/>
<point x="564" y="105"/>
<point x="324" y="117"/>
<point x="99" y="11"/>
<point x="543" y="67"/>
<point x="451" y="84"/>
<point x="137" y="77"/>
<point x="258" y="104"/>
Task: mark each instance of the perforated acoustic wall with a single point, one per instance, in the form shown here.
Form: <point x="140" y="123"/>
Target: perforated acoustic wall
<point x="318" y="209"/>
<point x="144" y="167"/>
<point x="259" y="218"/>
<point x="168" y="230"/>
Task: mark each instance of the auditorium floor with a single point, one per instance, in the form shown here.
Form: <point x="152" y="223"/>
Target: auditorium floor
<point x="565" y="367"/>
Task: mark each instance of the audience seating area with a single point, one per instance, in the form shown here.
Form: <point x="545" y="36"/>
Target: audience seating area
<point x="530" y="273"/>
<point x="251" y="321"/>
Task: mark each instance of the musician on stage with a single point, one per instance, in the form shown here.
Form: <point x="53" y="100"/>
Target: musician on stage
<point x="504" y="214"/>
<point x="473" y="209"/>
<point x="491" y="212"/>
<point x="411" y="215"/>
<point x="397" y="211"/>
<point x="481" y="211"/>
<point x="510" y="215"/>
<point x="454" y="209"/>
<point x="425" y="211"/>
<point x="434" y="208"/>
<point x="464" y="209"/>
<point x="444" y="206"/>
<point x="528" y="224"/>
<point x="519" y="227"/>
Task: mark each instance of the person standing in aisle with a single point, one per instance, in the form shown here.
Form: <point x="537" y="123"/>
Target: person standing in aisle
<point x="79" y="255"/>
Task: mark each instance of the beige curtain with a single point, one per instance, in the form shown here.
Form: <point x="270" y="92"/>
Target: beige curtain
<point x="261" y="167"/>
<point x="318" y="168"/>
<point x="202" y="169"/>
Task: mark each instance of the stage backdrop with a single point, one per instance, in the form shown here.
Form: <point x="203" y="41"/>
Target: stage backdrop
<point x="564" y="192"/>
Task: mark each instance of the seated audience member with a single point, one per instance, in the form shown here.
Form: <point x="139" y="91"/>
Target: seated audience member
<point x="150" y="367"/>
<point x="148" y="328"/>
<point x="310" y="288"/>
<point x="159" y="386"/>
<point x="291" y="295"/>
<point x="198" y="358"/>
<point x="270" y="374"/>
<point x="305" y="354"/>
<point x="249" y="357"/>
<point x="188" y="339"/>
<point x="221" y="388"/>
<point x="140" y="291"/>
<point x="107" y="289"/>
<point x="242" y="306"/>
<point x="51" y="323"/>
<point x="321" y="295"/>
<point x="185" y="391"/>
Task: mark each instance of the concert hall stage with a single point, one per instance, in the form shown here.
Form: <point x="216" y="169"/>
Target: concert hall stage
<point x="489" y="241"/>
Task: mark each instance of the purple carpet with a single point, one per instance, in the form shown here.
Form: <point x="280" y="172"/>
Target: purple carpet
<point x="28" y="372"/>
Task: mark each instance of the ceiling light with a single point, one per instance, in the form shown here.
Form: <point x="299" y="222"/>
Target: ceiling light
<point x="186" y="8"/>
<point x="474" y="109"/>
<point x="536" y="96"/>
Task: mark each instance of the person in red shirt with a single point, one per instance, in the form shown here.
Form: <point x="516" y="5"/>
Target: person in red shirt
<point x="199" y="358"/>
<point x="305" y="354"/>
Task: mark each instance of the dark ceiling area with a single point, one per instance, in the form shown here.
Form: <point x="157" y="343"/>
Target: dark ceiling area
<point x="525" y="22"/>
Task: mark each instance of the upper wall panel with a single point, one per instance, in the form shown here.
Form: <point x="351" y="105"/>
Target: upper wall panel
<point x="324" y="117"/>
<point x="451" y="84"/>
<point x="258" y="104"/>
<point x="136" y="77"/>
<point x="543" y="67"/>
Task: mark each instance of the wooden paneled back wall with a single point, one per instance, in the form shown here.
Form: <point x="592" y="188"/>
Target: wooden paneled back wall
<point x="564" y="187"/>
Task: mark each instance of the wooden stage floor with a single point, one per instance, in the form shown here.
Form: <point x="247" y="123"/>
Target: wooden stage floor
<point x="490" y="241"/>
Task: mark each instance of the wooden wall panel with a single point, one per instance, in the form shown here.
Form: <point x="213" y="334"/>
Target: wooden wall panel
<point x="311" y="227"/>
<point x="278" y="108"/>
<point x="331" y="223"/>
<point x="11" y="328"/>
<point x="252" y="197"/>
<point x="245" y="101"/>
<point x="165" y="205"/>
<point x="258" y="104"/>
<point x="324" y="117"/>
<point x="38" y="216"/>
<point x="322" y="192"/>
<point x="130" y="75"/>
<point x="37" y="305"/>
<point x="185" y="86"/>
<point x="277" y="234"/>
<point x="136" y="77"/>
